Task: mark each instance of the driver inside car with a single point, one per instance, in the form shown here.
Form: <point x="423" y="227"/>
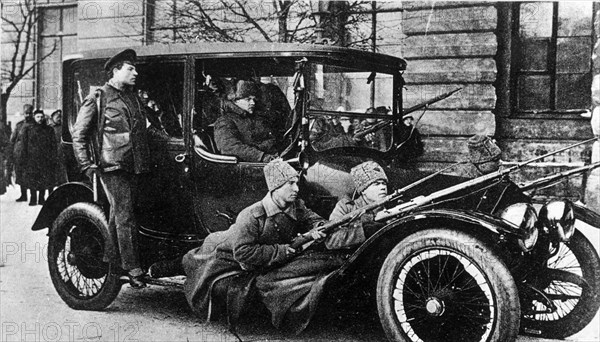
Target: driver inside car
<point x="241" y="133"/>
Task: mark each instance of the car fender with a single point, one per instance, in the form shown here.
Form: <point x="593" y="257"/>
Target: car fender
<point x="472" y="222"/>
<point x="59" y="199"/>
<point x="586" y="215"/>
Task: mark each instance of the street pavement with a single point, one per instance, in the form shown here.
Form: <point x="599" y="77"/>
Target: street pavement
<point x="31" y="310"/>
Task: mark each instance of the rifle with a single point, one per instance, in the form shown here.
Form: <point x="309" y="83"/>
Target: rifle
<point x="359" y="135"/>
<point x="551" y="180"/>
<point x="428" y="103"/>
<point x="497" y="175"/>
<point x="306" y="237"/>
<point x="419" y="201"/>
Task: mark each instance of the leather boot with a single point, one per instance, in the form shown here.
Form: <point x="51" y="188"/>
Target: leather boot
<point x="33" y="199"/>
<point x="23" y="197"/>
<point x="41" y="199"/>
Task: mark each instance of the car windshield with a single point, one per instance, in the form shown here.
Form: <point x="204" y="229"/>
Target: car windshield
<point x="349" y="107"/>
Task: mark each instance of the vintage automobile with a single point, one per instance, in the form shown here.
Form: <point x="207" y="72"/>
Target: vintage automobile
<point x="458" y="259"/>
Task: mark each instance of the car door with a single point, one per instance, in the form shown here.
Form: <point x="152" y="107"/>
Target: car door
<point x="224" y="185"/>
<point x="165" y="204"/>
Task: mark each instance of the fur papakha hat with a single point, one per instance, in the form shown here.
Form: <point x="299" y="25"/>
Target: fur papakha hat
<point x="278" y="172"/>
<point x="483" y="149"/>
<point x="366" y="174"/>
<point x="244" y="89"/>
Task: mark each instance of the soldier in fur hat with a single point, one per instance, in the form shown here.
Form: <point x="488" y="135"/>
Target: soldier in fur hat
<point x="484" y="154"/>
<point x="240" y="132"/>
<point x="257" y="245"/>
<point x="371" y="186"/>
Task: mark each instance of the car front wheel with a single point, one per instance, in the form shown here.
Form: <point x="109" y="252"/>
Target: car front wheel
<point x="572" y="284"/>
<point x="445" y="285"/>
<point x="75" y="258"/>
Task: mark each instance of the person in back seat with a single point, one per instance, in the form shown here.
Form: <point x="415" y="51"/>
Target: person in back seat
<point x="240" y="132"/>
<point x="274" y="107"/>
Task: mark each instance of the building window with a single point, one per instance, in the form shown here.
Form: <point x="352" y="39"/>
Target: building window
<point x="552" y="56"/>
<point x="57" y="38"/>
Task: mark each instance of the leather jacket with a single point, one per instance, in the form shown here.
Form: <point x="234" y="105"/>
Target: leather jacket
<point x="122" y="143"/>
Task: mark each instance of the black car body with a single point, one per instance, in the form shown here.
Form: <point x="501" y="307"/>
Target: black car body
<point x="193" y="190"/>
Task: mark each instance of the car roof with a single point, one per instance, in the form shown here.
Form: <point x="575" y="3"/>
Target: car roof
<point x="249" y="50"/>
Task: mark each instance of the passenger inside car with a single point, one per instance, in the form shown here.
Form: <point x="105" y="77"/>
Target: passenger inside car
<point x="378" y="138"/>
<point x="240" y="132"/>
<point x="157" y="117"/>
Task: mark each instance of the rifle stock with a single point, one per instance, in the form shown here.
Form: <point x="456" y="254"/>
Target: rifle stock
<point x="306" y="237"/>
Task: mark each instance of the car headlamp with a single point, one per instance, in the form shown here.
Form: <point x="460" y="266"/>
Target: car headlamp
<point x="558" y="217"/>
<point x="523" y="215"/>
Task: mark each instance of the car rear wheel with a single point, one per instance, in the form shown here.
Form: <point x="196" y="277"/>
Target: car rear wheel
<point x="576" y="299"/>
<point x="75" y="258"/>
<point x="445" y="285"/>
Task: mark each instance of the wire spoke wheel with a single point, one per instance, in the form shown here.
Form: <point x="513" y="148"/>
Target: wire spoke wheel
<point x="443" y="285"/>
<point x="80" y="261"/>
<point x="439" y="287"/>
<point x="75" y="258"/>
<point x="571" y="284"/>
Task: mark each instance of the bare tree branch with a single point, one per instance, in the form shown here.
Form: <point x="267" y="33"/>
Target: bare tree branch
<point x="24" y="23"/>
<point x="253" y="22"/>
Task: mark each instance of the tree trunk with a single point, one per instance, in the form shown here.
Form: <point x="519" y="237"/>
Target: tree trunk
<point x="3" y="114"/>
<point x="282" y="19"/>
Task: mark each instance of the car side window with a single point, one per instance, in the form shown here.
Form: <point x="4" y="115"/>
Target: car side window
<point x="214" y="94"/>
<point x="160" y="88"/>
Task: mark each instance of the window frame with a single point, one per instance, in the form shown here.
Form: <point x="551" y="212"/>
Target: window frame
<point x="551" y="60"/>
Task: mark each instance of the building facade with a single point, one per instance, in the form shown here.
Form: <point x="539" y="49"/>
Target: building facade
<point x="529" y="72"/>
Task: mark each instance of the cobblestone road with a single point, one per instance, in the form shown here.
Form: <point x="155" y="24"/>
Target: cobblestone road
<point x="31" y="310"/>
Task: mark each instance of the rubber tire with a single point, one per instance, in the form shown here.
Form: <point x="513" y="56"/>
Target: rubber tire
<point x="95" y="216"/>
<point x="501" y="282"/>
<point x="586" y="308"/>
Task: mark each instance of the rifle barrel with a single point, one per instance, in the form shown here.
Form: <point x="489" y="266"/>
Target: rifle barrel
<point x="430" y="102"/>
<point x="423" y="200"/>
<point x="550" y="180"/>
<point x="518" y="166"/>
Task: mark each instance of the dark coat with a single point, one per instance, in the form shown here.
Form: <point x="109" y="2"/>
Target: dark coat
<point x="246" y="136"/>
<point x="38" y="158"/>
<point x="256" y="244"/>
<point x="412" y="145"/>
<point x="274" y="107"/>
<point x="16" y="148"/>
<point x="355" y="232"/>
<point x="124" y="142"/>
<point x="324" y="134"/>
<point x="61" y="169"/>
<point x="4" y="145"/>
<point x="378" y="140"/>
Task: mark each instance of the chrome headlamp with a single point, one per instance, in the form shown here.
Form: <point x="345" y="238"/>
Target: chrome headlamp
<point x="523" y="215"/>
<point x="558" y="217"/>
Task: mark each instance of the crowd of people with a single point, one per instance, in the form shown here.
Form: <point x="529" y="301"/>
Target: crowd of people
<point x="32" y="154"/>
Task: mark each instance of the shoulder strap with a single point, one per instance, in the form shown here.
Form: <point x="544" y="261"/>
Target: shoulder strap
<point x="100" y="105"/>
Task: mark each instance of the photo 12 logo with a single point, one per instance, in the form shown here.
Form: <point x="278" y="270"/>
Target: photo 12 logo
<point x="23" y="252"/>
<point x="69" y="331"/>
